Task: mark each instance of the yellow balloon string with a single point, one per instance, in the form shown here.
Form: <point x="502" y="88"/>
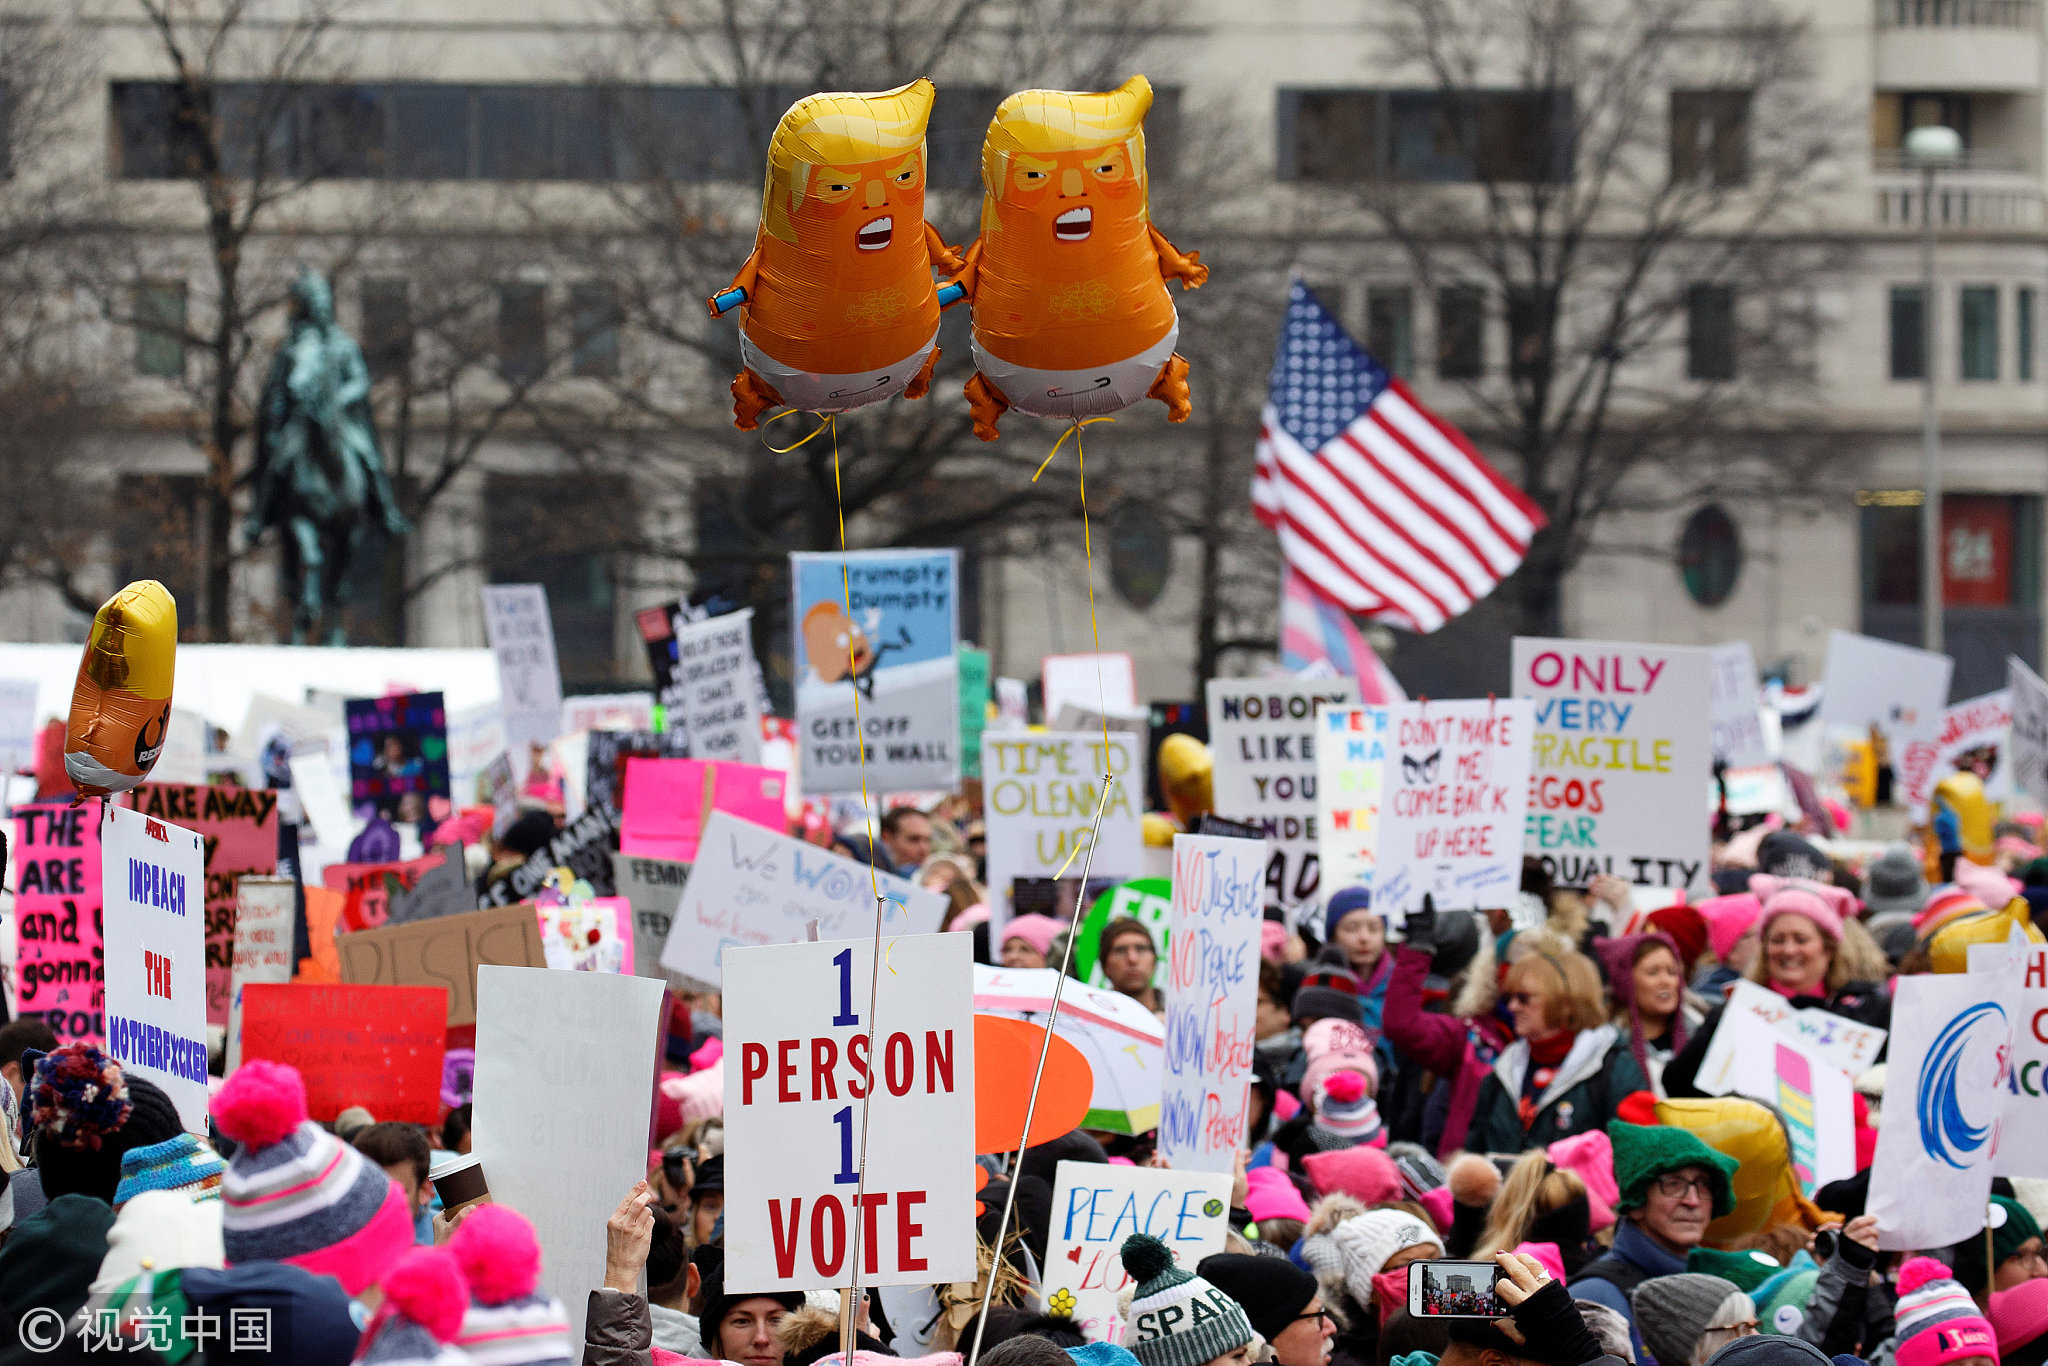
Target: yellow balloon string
<point x="1088" y="555"/>
<point x="831" y="420"/>
<point x="1075" y="432"/>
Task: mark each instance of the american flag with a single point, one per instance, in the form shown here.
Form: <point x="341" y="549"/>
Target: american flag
<point x="1381" y="505"/>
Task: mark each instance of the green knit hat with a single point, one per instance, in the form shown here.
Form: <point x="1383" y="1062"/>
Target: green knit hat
<point x="2019" y="1226"/>
<point x="1644" y="1152"/>
<point x="1782" y="1300"/>
<point x="1175" y="1317"/>
<point x="1747" y="1270"/>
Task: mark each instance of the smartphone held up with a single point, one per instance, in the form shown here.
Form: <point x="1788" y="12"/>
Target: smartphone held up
<point x="1454" y="1290"/>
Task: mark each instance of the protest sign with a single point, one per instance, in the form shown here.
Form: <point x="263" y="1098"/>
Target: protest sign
<point x="1945" y="1086"/>
<point x="18" y="725"/>
<point x="804" y="1101"/>
<point x="973" y="708"/>
<point x="1736" y="709"/>
<point x="439" y="886"/>
<point x="1212" y="989"/>
<point x="751" y="885"/>
<point x="654" y="887"/>
<point x="1619" y="759"/>
<point x="609" y="750"/>
<point x="587" y="934"/>
<point x="711" y="694"/>
<point x="264" y="908"/>
<point x="1039" y="796"/>
<point x="565" y="1063"/>
<point x="375" y="1046"/>
<point x="1756" y="791"/>
<point x="319" y="791"/>
<point x="2026" y="1103"/>
<point x="657" y="627"/>
<point x="1263" y="735"/>
<point x="1013" y="704"/>
<point x="398" y="758"/>
<point x="374" y="889"/>
<point x="2027" y="750"/>
<point x="1900" y="690"/>
<point x="239" y="825"/>
<point x="885" y="635"/>
<point x="476" y="740"/>
<point x="1350" y="754"/>
<point x="1973" y="740"/>
<point x="668" y="801"/>
<point x="153" y="875"/>
<point x="583" y="847"/>
<point x="608" y="711"/>
<point x="1815" y="1097"/>
<point x="1452" y="805"/>
<point x="1833" y="1039"/>
<point x="444" y="952"/>
<point x="1100" y="682"/>
<point x="1096" y="1207"/>
<point x="59" y="975"/>
<point x="1147" y="900"/>
<point x="522" y="636"/>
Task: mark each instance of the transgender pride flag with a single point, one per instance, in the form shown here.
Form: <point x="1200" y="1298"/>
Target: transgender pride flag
<point x="1316" y="631"/>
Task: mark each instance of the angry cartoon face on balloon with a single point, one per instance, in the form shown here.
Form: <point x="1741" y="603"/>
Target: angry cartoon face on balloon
<point x="835" y="644"/>
<point x="866" y="218"/>
<point x="1081" y="206"/>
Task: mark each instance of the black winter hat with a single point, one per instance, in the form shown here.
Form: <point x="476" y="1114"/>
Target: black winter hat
<point x="1272" y="1291"/>
<point x="77" y="1163"/>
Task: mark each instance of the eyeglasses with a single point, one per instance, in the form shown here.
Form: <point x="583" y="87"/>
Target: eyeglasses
<point x="1674" y="1185"/>
<point x="1321" y="1317"/>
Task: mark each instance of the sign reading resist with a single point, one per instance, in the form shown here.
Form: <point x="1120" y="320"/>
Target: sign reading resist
<point x="154" y="877"/>
<point x="800" y="1069"/>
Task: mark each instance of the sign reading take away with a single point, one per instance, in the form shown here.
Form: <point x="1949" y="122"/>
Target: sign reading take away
<point x="800" y="1069"/>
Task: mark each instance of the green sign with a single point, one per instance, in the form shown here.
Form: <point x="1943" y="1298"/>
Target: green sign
<point x="1149" y="901"/>
<point x="973" y="708"/>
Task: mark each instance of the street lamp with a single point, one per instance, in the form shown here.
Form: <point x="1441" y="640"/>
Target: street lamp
<point x="1931" y="149"/>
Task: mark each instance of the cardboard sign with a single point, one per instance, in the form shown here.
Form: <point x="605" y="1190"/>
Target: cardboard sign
<point x="1816" y="1098"/>
<point x="239" y="825"/>
<point x="1829" y="1038"/>
<point x="1737" y="709"/>
<point x="1973" y="739"/>
<point x="59" y="973"/>
<point x="973" y="708"/>
<point x="18" y="725"/>
<point x="398" y="757"/>
<point x="752" y="886"/>
<point x="379" y="1047"/>
<point x="608" y="711"/>
<point x="2027" y="750"/>
<point x="264" y="907"/>
<point x="2026" y="1102"/>
<point x="565" y="1063"/>
<point x="445" y="952"/>
<point x="1452" y="805"/>
<point x="604" y="774"/>
<point x="1263" y="734"/>
<point x="801" y="1091"/>
<point x="153" y="874"/>
<point x="887" y="632"/>
<point x="668" y="802"/>
<point x="1096" y="682"/>
<point x="1039" y="794"/>
<point x="1619" y="759"/>
<point x="1351" y="753"/>
<point x="1095" y="1207"/>
<point x="584" y="847"/>
<point x="522" y="636"/>
<point x="1896" y="688"/>
<point x="1212" y="989"/>
<point x="711" y="694"/>
<point x="653" y="887"/>
<point x="1147" y="900"/>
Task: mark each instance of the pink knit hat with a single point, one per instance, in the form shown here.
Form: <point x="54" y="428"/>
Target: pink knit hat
<point x="1364" y="1172"/>
<point x="1035" y="930"/>
<point x="1728" y="919"/>
<point x="2020" y="1315"/>
<point x="1827" y="907"/>
<point x="1590" y="1156"/>
<point x="1988" y="885"/>
<point x="1937" y="1321"/>
<point x="1269" y="1194"/>
<point x="1547" y="1254"/>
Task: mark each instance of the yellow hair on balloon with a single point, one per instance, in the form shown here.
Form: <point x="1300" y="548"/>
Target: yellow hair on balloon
<point x="838" y="130"/>
<point x="1037" y="122"/>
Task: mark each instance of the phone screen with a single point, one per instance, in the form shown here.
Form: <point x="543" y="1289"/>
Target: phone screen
<point x="1454" y="1290"/>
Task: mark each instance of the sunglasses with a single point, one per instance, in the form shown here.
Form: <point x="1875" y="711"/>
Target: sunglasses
<point x="1523" y="998"/>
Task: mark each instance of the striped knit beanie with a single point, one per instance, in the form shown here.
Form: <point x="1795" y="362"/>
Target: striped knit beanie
<point x="183" y="1164"/>
<point x="1937" y="1320"/>
<point x="295" y="1193"/>
<point x="508" y="1322"/>
<point x="1175" y="1317"/>
<point x="425" y="1298"/>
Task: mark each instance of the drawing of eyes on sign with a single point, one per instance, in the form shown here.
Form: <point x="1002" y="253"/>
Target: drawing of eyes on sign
<point x="1452" y="798"/>
<point x="153" y="874"/>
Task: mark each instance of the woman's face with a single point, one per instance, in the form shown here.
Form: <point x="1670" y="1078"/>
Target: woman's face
<point x="705" y="1208"/>
<point x="2023" y="1266"/>
<point x="1271" y="1017"/>
<point x="1657" y="984"/>
<point x="1529" y="1004"/>
<point x="1237" y="1358"/>
<point x="1018" y="953"/>
<point x="1363" y="937"/>
<point x="1796" y="953"/>
<point x="747" y="1332"/>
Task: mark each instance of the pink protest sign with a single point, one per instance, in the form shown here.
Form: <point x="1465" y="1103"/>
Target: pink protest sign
<point x="239" y="825"/>
<point x="57" y="914"/>
<point x="668" y="802"/>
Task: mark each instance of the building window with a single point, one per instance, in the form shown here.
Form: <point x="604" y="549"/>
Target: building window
<point x="564" y="532"/>
<point x="1531" y="316"/>
<point x="1909" y="333"/>
<point x="1710" y="555"/>
<point x="1978" y="316"/>
<point x="1497" y="136"/>
<point x="522" y="331"/>
<point x="1330" y="136"/>
<point x="160" y="329"/>
<point x="1460" y="332"/>
<point x="1390" y="328"/>
<point x="1710" y="332"/>
<point x="595" y="318"/>
<point x="1894" y="116"/>
<point x="1710" y="137"/>
<point x="387" y="327"/>
<point x="2023" y="338"/>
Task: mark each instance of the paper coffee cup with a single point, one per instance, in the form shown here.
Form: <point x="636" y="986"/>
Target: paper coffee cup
<point x="460" y="1183"/>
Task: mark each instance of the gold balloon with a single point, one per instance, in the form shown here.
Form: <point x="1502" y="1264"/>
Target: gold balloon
<point x="1186" y="775"/>
<point x="1976" y="818"/>
<point x="1949" y="949"/>
<point x="121" y="704"/>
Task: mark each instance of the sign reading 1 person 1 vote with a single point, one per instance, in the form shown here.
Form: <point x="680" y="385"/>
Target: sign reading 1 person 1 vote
<point x="153" y="875"/>
<point x="1621" y="753"/>
<point x="802" y="1084"/>
<point x="1263" y="733"/>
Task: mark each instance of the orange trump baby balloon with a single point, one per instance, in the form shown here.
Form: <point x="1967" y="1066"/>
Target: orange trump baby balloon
<point x="121" y="704"/>
<point x="838" y="306"/>
<point x="1072" y="318"/>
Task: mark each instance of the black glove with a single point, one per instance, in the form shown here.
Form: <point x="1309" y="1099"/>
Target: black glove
<point x="1556" y="1333"/>
<point x="1418" y="931"/>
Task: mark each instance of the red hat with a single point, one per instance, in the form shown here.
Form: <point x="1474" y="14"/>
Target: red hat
<point x="1688" y="931"/>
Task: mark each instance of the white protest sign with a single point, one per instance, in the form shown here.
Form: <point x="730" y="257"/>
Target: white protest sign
<point x="1838" y="1042"/>
<point x="565" y="1063"/>
<point x="529" y="679"/>
<point x="1095" y="1207"/>
<point x="2026" y="1103"/>
<point x="802" y="1088"/>
<point x="1039" y="794"/>
<point x="264" y="907"/>
<point x="153" y="878"/>
<point x="1816" y="1098"/>
<point x="752" y="886"/>
<point x="1350" y="753"/>
<point x="1451" y="805"/>
<point x="1900" y="690"/>
<point x="17" y="725"/>
<point x="1944" y="1103"/>
<point x="712" y="695"/>
<point x="2027" y="748"/>
<point x="1973" y="737"/>
<point x="1262" y="732"/>
<point x="1755" y="791"/>
<point x="1100" y="683"/>
<point x="608" y="711"/>
<point x="1737" y="705"/>
<point x="1619" y="759"/>
<point x="1212" y="988"/>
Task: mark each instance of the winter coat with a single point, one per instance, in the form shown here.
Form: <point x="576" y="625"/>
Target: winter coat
<point x="1838" y="1316"/>
<point x="1593" y="1077"/>
<point x="1460" y="1051"/>
<point x="618" y="1330"/>
<point x="1633" y="1259"/>
<point x="1864" y="1002"/>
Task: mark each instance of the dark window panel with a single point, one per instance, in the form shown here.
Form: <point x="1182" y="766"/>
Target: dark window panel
<point x="1390" y="328"/>
<point x="1710" y="136"/>
<point x="1530" y="316"/>
<point x="339" y="132"/>
<point x="1977" y="308"/>
<point x="387" y="327"/>
<point x="515" y="127"/>
<point x="430" y="132"/>
<point x="1162" y="142"/>
<point x="1333" y="135"/>
<point x="6" y="129"/>
<point x="150" y="141"/>
<point x="563" y="532"/>
<point x="156" y="530"/>
<point x="1908" y="333"/>
<point x="160" y="329"/>
<point x="588" y="120"/>
<point x="1460" y="332"/>
<point x="522" y="331"/>
<point x="595" y="318"/>
<point x="953" y="138"/>
<point x="2023" y="337"/>
<point x="1710" y="332"/>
